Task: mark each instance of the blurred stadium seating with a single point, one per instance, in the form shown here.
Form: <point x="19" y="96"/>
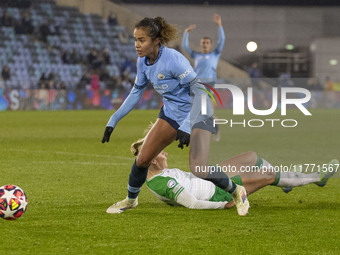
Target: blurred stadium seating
<point x="28" y="56"/>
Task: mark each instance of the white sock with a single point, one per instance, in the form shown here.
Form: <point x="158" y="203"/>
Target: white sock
<point x="292" y="179"/>
<point x="266" y="165"/>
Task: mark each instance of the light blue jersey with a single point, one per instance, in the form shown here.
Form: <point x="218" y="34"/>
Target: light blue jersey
<point x="170" y="76"/>
<point x="173" y="77"/>
<point x="205" y="63"/>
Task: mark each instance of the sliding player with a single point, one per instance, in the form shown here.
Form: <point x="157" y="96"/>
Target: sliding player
<point x="176" y="187"/>
<point x="172" y="76"/>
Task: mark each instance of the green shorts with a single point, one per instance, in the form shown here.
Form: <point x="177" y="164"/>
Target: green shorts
<point x="221" y="195"/>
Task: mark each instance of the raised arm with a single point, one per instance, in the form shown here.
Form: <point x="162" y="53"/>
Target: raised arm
<point x="221" y="35"/>
<point x="185" y="40"/>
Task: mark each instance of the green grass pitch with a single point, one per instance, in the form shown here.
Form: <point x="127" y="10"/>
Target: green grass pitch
<point x="71" y="178"/>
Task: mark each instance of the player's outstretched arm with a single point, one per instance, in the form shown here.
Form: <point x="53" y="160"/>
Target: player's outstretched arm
<point x="221" y="35"/>
<point x="135" y="95"/>
<point x="185" y="39"/>
<point x="189" y="201"/>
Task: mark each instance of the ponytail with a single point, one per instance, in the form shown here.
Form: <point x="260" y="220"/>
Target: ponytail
<point x="158" y="28"/>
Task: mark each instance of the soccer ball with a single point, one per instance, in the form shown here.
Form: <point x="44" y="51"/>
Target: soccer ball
<point x="13" y="202"/>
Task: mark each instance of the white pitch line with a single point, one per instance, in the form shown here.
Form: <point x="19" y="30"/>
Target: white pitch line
<point x="63" y="162"/>
<point x="76" y="153"/>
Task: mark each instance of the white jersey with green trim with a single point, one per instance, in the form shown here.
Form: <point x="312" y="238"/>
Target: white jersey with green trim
<point x="176" y="187"/>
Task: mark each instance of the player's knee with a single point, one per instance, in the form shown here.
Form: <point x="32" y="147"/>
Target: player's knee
<point x="271" y="175"/>
<point x="142" y="161"/>
<point x="199" y="170"/>
<point x="252" y="155"/>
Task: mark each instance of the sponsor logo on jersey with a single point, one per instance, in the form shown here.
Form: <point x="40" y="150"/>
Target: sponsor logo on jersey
<point x="171" y="184"/>
<point x="161" y="76"/>
<point x="185" y="74"/>
<point x="161" y="88"/>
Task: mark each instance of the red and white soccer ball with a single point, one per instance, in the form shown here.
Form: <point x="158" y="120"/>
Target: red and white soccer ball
<point x="13" y="202"/>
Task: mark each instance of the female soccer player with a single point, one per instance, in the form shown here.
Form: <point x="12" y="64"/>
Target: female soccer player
<point x="172" y="76"/>
<point x="176" y="187"/>
<point x="206" y="61"/>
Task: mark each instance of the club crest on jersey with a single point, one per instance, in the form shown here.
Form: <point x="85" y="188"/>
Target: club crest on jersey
<point x="161" y="76"/>
<point x="171" y="183"/>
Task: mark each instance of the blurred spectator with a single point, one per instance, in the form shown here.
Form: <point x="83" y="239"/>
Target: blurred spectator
<point x="128" y="67"/>
<point x="84" y="81"/>
<point x="74" y="57"/>
<point x="314" y="84"/>
<point x="95" y="87"/>
<point x="54" y="28"/>
<point x="92" y="56"/>
<point x="27" y="23"/>
<point x="6" y="73"/>
<point x="254" y="73"/>
<point x="2" y="84"/>
<point x="62" y="86"/>
<point x="112" y="19"/>
<point x="66" y="58"/>
<point x="19" y="28"/>
<point x="95" y="59"/>
<point x="329" y="84"/>
<point x="126" y="84"/>
<point x="95" y="82"/>
<point x="51" y="84"/>
<point x="51" y="77"/>
<point x="7" y="20"/>
<point x="106" y="56"/>
<point x="42" y="81"/>
<point x="104" y="76"/>
<point x="44" y="31"/>
<point x="113" y="82"/>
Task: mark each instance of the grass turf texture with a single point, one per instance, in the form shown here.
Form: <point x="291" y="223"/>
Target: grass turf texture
<point x="71" y="178"/>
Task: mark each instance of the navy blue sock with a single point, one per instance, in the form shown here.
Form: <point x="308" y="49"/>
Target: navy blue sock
<point x="136" y="180"/>
<point x="221" y="180"/>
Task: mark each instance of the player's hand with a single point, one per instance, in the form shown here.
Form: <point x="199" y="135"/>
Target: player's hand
<point x="229" y="205"/>
<point x="189" y="28"/>
<point x="217" y="19"/>
<point x="107" y="134"/>
<point x="183" y="137"/>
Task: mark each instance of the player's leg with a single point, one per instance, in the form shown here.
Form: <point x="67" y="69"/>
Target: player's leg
<point x="217" y="135"/>
<point x="295" y="179"/>
<point x="160" y="136"/>
<point x="199" y="158"/>
<point x="253" y="181"/>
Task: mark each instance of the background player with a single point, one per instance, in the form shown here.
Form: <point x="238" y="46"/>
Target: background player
<point x="172" y="76"/>
<point x="206" y="61"/>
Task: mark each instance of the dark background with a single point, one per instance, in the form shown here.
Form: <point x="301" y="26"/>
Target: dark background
<point x="240" y="2"/>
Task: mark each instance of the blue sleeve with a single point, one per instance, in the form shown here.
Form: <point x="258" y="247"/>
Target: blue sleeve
<point x="181" y="69"/>
<point x="196" y="91"/>
<point x="185" y="45"/>
<point x="141" y="79"/>
<point x="135" y="95"/>
<point x="221" y="40"/>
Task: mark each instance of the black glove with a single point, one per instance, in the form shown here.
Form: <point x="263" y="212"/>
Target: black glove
<point x="183" y="137"/>
<point x="107" y="134"/>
